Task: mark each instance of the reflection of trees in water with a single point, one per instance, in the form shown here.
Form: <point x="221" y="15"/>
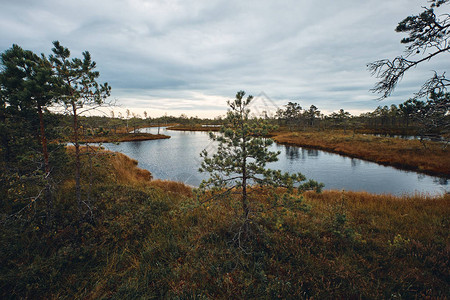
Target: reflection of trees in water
<point x="420" y="176"/>
<point x="292" y="153"/>
<point x="311" y="152"/>
<point x="355" y="162"/>
<point x="135" y="144"/>
<point x="440" y="180"/>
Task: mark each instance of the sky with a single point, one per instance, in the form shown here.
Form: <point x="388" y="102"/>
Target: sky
<point x="190" y="56"/>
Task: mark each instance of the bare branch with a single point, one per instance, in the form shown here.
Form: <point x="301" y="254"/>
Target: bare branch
<point x="391" y="72"/>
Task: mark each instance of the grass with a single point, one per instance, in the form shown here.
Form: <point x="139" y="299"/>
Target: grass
<point x="123" y="137"/>
<point x="400" y="153"/>
<point x="433" y="159"/>
<point x="154" y="239"/>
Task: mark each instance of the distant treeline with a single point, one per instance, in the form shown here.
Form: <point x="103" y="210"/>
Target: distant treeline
<point x="411" y="117"/>
<point x="408" y="118"/>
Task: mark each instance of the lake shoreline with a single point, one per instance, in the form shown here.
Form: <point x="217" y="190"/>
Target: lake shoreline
<point x="130" y="137"/>
<point x="404" y="167"/>
<point x="321" y="165"/>
<point x="407" y="155"/>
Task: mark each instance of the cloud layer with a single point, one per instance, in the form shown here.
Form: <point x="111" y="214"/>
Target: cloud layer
<point x="190" y="56"/>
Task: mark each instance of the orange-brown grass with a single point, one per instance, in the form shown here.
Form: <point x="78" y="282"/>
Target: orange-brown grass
<point x="114" y="165"/>
<point x="152" y="239"/>
<point x="417" y="217"/>
<point x="349" y="245"/>
<point x="124" y="137"/>
<point x="172" y="187"/>
<point x="405" y="154"/>
<point x="126" y="169"/>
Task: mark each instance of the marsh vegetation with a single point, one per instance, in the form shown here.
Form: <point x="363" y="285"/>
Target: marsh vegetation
<point x="79" y="221"/>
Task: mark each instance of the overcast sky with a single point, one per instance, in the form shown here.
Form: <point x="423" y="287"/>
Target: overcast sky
<point x="191" y="56"/>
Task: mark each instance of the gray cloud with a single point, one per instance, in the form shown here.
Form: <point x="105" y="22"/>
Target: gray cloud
<point x="190" y="56"/>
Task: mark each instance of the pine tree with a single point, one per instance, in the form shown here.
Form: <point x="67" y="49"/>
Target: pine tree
<point x="242" y="155"/>
<point x="28" y="84"/>
<point x="79" y="90"/>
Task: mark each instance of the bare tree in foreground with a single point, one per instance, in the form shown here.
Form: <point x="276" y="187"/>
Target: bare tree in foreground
<point x="428" y="36"/>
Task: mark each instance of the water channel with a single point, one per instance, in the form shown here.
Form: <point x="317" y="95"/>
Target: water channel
<point x="178" y="159"/>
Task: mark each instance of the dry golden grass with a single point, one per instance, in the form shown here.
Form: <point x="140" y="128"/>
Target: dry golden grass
<point x="151" y="239"/>
<point x="412" y="216"/>
<point x="172" y="187"/>
<point x="126" y="169"/>
<point x="405" y="154"/>
<point x="124" y="137"/>
<point x="123" y="168"/>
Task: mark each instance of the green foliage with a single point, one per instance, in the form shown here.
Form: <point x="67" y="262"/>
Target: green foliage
<point x="291" y="114"/>
<point x="23" y="86"/>
<point x="311" y="185"/>
<point x="78" y="79"/>
<point x="79" y="91"/>
<point x="242" y="155"/>
<point x="27" y="88"/>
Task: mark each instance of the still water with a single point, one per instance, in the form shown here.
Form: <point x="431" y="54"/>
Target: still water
<point x="178" y="159"/>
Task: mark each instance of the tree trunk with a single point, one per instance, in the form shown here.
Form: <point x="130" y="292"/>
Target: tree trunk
<point x="91" y="179"/>
<point x="244" y="190"/>
<point x="244" y="175"/>
<point x="47" y="194"/>
<point x="77" y="157"/>
<point x="43" y="140"/>
<point x="5" y="139"/>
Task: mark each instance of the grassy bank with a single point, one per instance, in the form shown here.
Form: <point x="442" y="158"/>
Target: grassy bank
<point x="401" y="153"/>
<point x="153" y="239"/>
<point x="124" y="137"/>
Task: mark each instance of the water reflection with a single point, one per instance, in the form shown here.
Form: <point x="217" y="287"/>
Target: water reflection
<point x="135" y="144"/>
<point x="292" y="153"/>
<point x="178" y="158"/>
<point x="311" y="152"/>
<point x="355" y="162"/>
<point x="441" y="181"/>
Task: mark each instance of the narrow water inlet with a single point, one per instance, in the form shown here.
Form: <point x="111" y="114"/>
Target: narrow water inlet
<point x="178" y="158"/>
